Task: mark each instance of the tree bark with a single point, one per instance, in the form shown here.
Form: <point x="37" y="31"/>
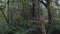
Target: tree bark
<point x="50" y="17"/>
<point x="42" y="24"/>
<point x="35" y="10"/>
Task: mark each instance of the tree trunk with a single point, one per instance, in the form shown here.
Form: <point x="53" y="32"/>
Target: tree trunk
<point x="50" y="17"/>
<point x="42" y="24"/>
<point x="35" y="9"/>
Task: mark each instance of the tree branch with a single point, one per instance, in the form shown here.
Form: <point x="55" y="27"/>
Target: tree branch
<point x="4" y="15"/>
<point x="44" y="4"/>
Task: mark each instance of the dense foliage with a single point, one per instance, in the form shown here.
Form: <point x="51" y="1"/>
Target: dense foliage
<point x="18" y="16"/>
